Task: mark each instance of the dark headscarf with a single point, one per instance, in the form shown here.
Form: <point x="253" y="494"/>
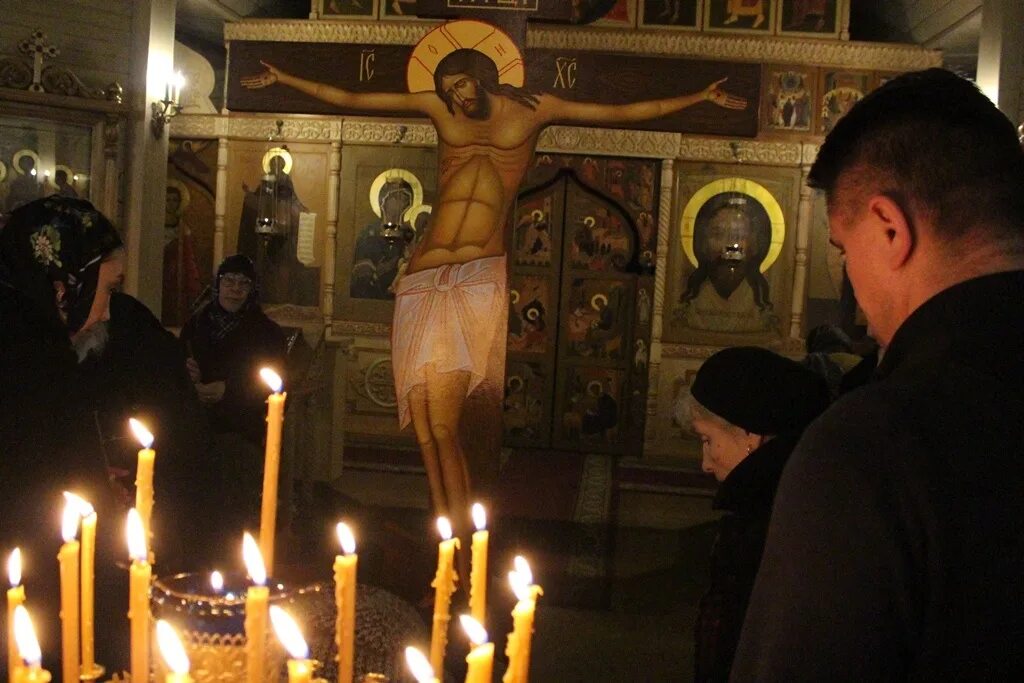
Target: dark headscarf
<point x="760" y="391"/>
<point x="57" y="240"/>
<point x="220" y="321"/>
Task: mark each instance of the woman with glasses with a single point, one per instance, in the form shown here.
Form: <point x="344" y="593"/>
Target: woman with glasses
<point x="226" y="342"/>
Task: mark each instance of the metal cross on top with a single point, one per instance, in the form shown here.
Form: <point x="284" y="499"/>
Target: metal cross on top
<point x="37" y="47"/>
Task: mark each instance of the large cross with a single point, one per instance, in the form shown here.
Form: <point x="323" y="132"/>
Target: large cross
<point x="37" y="47"/>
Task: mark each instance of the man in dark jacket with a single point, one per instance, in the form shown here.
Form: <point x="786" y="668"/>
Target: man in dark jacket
<point x="896" y="544"/>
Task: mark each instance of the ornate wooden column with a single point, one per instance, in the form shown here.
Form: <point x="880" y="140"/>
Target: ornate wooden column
<point x="221" y="202"/>
<point x="658" y="308"/>
<point x="805" y="215"/>
<point x="333" y="189"/>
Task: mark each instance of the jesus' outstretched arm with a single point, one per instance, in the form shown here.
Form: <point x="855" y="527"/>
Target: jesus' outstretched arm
<point x="554" y="109"/>
<point x="425" y="102"/>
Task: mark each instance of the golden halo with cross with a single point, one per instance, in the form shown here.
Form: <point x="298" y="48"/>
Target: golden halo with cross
<point x="19" y="155"/>
<point x="464" y="33"/>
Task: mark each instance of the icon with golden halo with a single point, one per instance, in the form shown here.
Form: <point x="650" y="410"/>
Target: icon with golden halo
<point x="281" y="153"/>
<point x="18" y="162"/>
<point x="732" y="232"/>
<point x="457" y="36"/>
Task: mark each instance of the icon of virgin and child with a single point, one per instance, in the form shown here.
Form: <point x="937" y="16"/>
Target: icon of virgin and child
<point x="451" y="304"/>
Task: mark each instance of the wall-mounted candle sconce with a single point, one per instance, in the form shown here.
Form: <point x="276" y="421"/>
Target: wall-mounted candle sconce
<point x="170" y="106"/>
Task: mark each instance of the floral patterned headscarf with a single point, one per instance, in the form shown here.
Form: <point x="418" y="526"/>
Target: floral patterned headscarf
<point x="57" y="240"/>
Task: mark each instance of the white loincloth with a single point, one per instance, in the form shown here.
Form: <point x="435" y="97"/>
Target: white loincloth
<point x="450" y="316"/>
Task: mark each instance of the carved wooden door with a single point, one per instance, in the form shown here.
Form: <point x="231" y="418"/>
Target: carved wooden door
<point x="579" y="323"/>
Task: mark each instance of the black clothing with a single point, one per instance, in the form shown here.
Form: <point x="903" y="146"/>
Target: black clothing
<point x="746" y="497"/>
<point x="48" y="444"/>
<point x="235" y="359"/>
<point x="896" y="544"/>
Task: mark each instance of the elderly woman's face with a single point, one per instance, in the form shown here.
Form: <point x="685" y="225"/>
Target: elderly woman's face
<point x="233" y="291"/>
<point x="109" y="280"/>
<point x="722" y="447"/>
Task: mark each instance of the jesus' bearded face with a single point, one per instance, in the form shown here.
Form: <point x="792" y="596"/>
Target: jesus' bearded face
<point x="465" y="92"/>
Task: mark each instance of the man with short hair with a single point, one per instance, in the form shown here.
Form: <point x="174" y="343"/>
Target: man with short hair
<point x="896" y="547"/>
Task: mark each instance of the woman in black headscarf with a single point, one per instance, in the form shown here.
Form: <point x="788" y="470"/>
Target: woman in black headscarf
<point x="749" y="407"/>
<point x="60" y="259"/>
<point x="227" y="342"/>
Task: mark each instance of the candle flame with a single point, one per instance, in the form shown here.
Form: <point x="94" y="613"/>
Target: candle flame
<point x="72" y="516"/>
<point x="479" y="517"/>
<point x="14" y="567"/>
<point x="217" y="581"/>
<point x="419" y="665"/>
<point x="25" y="637"/>
<point x="272" y="379"/>
<point x="523" y="567"/>
<point x="476" y="632"/>
<point x="253" y="560"/>
<point x="444" y="527"/>
<point x="288" y="633"/>
<point x="85" y="508"/>
<point x="345" y="537"/>
<point x="520" y="586"/>
<point x="144" y="436"/>
<point x="136" y="537"/>
<point x="171" y="648"/>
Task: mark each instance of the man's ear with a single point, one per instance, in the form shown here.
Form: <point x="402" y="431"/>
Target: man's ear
<point x="897" y="228"/>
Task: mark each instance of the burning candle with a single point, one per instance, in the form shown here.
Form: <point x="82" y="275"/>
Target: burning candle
<point x="139" y="575"/>
<point x="519" y="641"/>
<point x="173" y="653"/>
<point x="68" y="557"/>
<point x="217" y="581"/>
<point x="256" y="600"/>
<point x="345" y="597"/>
<point x="419" y="666"/>
<point x="271" y="465"/>
<point x="144" y="477"/>
<point x="444" y="586"/>
<point x="481" y="657"/>
<point x="90" y="670"/>
<point x="478" y="574"/>
<point x="15" y="599"/>
<point x="28" y="649"/>
<point x="300" y="666"/>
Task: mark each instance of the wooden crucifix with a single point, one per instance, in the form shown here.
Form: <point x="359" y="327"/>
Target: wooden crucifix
<point x="451" y="304"/>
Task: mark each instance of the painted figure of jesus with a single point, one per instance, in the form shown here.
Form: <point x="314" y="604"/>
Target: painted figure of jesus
<point x="451" y="305"/>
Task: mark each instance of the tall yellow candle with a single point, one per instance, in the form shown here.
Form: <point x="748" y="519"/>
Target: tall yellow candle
<point x="139" y="575"/>
<point x="480" y="660"/>
<point x="15" y="599"/>
<point x="444" y="586"/>
<point x="478" y="574"/>
<point x="256" y="600"/>
<point x="271" y="465"/>
<point x="520" y="640"/>
<point x="69" y="574"/>
<point x="300" y="666"/>
<point x="345" y="597"/>
<point x="90" y="670"/>
<point x="144" y="477"/>
<point x="173" y="653"/>
<point x="28" y="649"/>
<point x="419" y="667"/>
